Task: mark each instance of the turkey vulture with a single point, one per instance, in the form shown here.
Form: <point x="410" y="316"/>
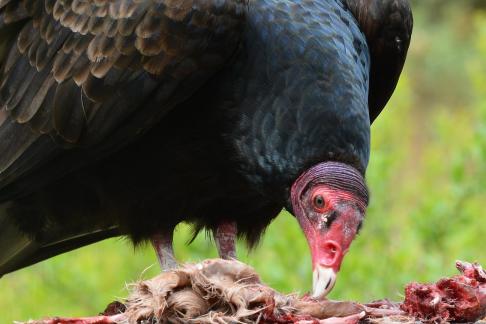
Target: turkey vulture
<point x="127" y="117"/>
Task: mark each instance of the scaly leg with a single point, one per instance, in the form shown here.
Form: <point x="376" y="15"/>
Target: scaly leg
<point x="162" y="244"/>
<point x="225" y="237"/>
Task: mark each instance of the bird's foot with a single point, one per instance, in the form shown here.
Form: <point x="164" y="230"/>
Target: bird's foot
<point x="162" y="244"/>
<point x="225" y="237"/>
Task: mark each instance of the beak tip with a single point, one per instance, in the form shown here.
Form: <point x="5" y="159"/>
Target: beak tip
<point x="323" y="281"/>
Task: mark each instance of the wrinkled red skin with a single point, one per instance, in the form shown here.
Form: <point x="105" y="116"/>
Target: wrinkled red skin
<point x="460" y="298"/>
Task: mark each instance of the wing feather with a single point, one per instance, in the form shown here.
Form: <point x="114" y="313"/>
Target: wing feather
<point x="30" y="103"/>
<point x="70" y="123"/>
<point x="387" y="25"/>
<point x="41" y="121"/>
<point x="88" y="75"/>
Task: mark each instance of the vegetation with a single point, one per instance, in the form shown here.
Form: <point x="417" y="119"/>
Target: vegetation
<point x="427" y="175"/>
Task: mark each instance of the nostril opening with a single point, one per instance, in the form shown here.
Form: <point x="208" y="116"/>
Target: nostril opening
<point x="330" y="251"/>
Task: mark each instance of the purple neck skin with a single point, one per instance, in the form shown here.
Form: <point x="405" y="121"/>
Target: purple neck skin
<point x="335" y="175"/>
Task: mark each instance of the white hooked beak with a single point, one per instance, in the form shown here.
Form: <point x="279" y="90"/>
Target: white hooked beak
<point x="323" y="280"/>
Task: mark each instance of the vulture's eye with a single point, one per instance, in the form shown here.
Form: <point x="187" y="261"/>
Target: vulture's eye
<point x="319" y="202"/>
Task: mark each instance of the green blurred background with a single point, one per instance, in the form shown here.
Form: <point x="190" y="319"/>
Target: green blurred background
<point x="427" y="176"/>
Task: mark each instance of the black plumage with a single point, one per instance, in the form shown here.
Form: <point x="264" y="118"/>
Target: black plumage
<point x="126" y="117"/>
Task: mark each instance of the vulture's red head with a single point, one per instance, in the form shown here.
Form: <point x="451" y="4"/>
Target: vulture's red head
<point x="329" y="201"/>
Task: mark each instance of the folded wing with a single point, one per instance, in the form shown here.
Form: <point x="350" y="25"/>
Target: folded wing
<point x="80" y="79"/>
<point x="94" y="74"/>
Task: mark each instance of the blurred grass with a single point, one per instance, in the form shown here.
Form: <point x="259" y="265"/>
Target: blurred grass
<point x="427" y="175"/>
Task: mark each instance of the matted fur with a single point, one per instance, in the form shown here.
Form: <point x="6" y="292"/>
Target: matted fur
<point x="214" y="291"/>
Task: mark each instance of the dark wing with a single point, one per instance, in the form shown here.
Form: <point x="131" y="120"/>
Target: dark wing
<point x="94" y="74"/>
<point x="82" y="78"/>
<point x="387" y="25"/>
